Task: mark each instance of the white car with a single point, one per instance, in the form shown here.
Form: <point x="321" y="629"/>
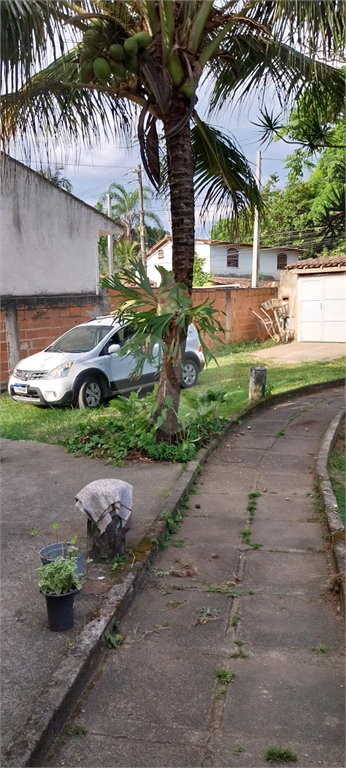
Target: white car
<point x="84" y="367"/>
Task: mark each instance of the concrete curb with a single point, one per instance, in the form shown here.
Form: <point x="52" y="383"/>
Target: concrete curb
<point x="53" y="707"/>
<point x="334" y="519"/>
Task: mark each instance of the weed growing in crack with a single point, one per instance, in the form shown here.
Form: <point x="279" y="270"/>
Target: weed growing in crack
<point x="238" y="749"/>
<point x="225" y="676"/>
<point x="319" y="649"/>
<point x="76" y="729"/>
<point x="205" y="614"/>
<point x="235" y="620"/>
<point x="277" y="753"/>
<point x="220" y="692"/>
<point x="174" y="603"/>
<point x="224" y="589"/>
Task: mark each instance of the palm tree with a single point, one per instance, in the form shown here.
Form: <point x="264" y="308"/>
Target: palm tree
<point x="56" y="178"/>
<point x="142" y="62"/>
<point x="125" y="209"/>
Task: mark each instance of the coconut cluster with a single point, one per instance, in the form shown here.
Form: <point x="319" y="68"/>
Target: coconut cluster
<point x="99" y="60"/>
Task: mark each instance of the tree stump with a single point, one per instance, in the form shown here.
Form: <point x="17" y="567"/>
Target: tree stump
<point x="104" y="546"/>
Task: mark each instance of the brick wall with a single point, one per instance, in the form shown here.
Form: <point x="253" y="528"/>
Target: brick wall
<point x="233" y="307"/>
<point x="40" y="325"/>
<point x="244" y="324"/>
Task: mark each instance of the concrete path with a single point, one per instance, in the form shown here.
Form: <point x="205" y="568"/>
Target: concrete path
<point x="246" y="597"/>
<point x="39" y="483"/>
<point x="301" y="352"/>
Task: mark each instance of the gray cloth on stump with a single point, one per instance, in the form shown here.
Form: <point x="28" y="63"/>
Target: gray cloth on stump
<point x="101" y="499"/>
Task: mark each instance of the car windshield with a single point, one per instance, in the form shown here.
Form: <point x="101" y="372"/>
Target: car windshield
<point x="80" y="339"/>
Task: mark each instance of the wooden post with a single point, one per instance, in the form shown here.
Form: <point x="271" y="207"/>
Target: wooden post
<point x="258" y="377"/>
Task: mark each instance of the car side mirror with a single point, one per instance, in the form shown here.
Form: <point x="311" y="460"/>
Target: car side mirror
<point x="113" y="348"/>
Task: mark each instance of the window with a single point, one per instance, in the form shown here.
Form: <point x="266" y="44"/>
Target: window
<point x="232" y="257"/>
<point x="160" y="254"/>
<point x="281" y="261"/>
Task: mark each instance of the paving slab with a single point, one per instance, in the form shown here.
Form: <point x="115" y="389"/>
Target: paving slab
<point x="286" y="571"/>
<point x="289" y="619"/>
<point x="282" y="534"/>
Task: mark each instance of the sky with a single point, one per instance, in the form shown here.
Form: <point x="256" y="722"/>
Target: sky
<point x="91" y="171"/>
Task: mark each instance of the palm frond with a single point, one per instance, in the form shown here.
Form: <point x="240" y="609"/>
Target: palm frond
<point x="261" y="63"/>
<point x="53" y="102"/>
<point x="30" y="29"/>
<point x="222" y="173"/>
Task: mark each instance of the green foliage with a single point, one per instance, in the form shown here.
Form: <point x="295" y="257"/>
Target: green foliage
<point x="118" y="562"/>
<point x="126" y="427"/>
<point x="113" y="641"/>
<point x="59" y="576"/>
<point x="307" y="213"/>
<point x="199" y="276"/>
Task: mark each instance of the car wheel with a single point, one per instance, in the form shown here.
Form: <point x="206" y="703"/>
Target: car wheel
<point x="90" y="394"/>
<point x="190" y="374"/>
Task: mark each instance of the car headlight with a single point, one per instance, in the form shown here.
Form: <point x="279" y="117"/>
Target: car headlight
<point x="59" y="372"/>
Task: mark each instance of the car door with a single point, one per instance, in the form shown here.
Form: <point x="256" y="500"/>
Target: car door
<point x="120" y="368"/>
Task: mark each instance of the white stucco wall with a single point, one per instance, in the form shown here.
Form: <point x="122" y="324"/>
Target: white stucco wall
<point x="267" y="266"/>
<point x="166" y="262"/>
<point x="49" y="238"/>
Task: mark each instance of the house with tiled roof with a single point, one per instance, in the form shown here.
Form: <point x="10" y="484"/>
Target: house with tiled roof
<point x="225" y="259"/>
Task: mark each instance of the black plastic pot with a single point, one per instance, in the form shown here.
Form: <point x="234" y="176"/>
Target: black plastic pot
<point x="60" y="610"/>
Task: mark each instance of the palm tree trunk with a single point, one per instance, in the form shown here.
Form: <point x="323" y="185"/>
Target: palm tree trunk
<point x="180" y="176"/>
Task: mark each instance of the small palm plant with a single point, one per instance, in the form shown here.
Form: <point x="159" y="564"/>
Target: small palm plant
<point x="160" y="318"/>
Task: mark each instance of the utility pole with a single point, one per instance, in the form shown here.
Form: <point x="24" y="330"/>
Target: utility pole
<point x="141" y="214"/>
<point x="256" y="228"/>
<point x="110" y="241"/>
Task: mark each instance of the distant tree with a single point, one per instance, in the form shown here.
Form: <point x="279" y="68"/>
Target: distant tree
<point x="200" y="277"/>
<point x="153" y="235"/>
<point x="56" y="177"/>
<point x="125" y="209"/>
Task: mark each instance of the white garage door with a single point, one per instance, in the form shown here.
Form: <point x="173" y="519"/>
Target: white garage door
<point x="322" y="308"/>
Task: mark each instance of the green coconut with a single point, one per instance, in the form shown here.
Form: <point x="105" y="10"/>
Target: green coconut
<point x="117" y="52"/>
<point x="132" y="64"/>
<point x="143" y="39"/>
<point x="101" y="69"/>
<point x="84" y="57"/>
<point x="118" y="69"/>
<point x="90" y="37"/>
<point x="86" y="72"/>
<point x="131" y="46"/>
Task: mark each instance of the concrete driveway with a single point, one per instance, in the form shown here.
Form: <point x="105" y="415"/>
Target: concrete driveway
<point x="301" y="352"/>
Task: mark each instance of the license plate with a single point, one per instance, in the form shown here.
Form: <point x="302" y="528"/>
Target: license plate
<point x="20" y="389"/>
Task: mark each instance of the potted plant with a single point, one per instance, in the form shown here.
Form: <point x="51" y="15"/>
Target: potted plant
<point x="59" y="582"/>
<point x="64" y="549"/>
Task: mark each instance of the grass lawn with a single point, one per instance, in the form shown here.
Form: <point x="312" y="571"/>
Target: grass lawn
<point x="21" y="421"/>
<point x="336" y="468"/>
